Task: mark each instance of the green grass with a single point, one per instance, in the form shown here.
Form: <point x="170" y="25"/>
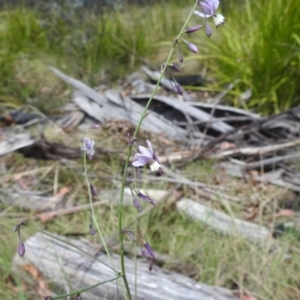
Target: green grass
<point x="194" y="249"/>
<point x="259" y="47"/>
<point x="85" y="45"/>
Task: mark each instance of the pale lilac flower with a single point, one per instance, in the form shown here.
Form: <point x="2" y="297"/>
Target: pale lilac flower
<point x="88" y="147"/>
<point x="147" y="156"/>
<point x="209" y="8"/>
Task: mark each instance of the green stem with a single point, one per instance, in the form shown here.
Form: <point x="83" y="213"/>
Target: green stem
<point x="85" y="289"/>
<point x="121" y="235"/>
<point x="93" y="212"/>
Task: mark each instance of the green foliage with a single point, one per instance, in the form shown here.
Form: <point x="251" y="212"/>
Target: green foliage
<point x="83" y="44"/>
<point x="258" y="46"/>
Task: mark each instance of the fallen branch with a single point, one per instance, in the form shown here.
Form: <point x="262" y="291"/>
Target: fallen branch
<point x="223" y="223"/>
<point x="68" y="267"/>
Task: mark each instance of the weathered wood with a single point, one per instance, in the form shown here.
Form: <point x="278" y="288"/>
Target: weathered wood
<point x="223" y="223"/>
<point x="112" y="106"/>
<point x="274" y="177"/>
<point x="190" y="110"/>
<point x="11" y="142"/>
<point x="65" y="266"/>
<point x="32" y="200"/>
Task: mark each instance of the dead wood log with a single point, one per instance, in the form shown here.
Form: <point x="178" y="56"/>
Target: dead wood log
<point x="32" y="200"/>
<point x="223" y="223"/>
<point x="190" y="110"/>
<point x="275" y="177"/>
<point x="64" y="266"/>
<point x="112" y="106"/>
<point x="255" y="150"/>
<point x="11" y="142"/>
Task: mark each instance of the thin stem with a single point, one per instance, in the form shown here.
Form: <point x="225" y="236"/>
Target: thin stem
<point x="93" y="212"/>
<point x="121" y="235"/>
<point x="86" y="289"/>
<point x="75" y="247"/>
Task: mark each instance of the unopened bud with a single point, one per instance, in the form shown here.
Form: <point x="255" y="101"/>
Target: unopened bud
<point x="137" y="204"/>
<point x="193" y="47"/>
<point x="193" y="29"/>
<point x="208" y="30"/>
<point x="174" y="67"/>
<point x="21" y="249"/>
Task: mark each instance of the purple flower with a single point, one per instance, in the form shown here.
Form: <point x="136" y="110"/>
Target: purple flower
<point x="149" y="249"/>
<point x="193" y="29"/>
<point x="147" y="156"/>
<point x="21" y="249"/>
<point x="88" y="147"/>
<point x="209" y="8"/>
<point x="149" y="254"/>
<point x="145" y="198"/>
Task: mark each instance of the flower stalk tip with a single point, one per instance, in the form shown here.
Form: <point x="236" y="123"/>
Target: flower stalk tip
<point x="88" y="147"/>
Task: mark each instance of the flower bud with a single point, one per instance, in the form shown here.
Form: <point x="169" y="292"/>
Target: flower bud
<point x="193" y="29"/>
<point x="193" y="47"/>
<point x="145" y="198"/>
<point x="174" y="68"/>
<point x="21" y="249"/>
<point x="208" y="30"/>
<point x="137" y="204"/>
<point x="92" y="229"/>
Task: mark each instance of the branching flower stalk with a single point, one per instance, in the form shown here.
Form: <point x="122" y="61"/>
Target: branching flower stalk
<point x="144" y="114"/>
<point x="145" y="157"/>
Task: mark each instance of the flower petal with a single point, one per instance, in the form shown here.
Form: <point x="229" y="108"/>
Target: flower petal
<point x="207" y="8"/>
<point x="150" y="147"/>
<point x="201" y="14"/>
<point x="145" y="151"/>
<point x="140" y="161"/>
